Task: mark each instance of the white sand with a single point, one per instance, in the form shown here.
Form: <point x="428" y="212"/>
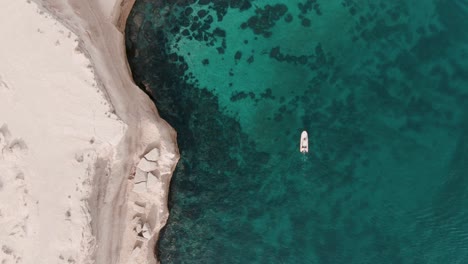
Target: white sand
<point x="73" y="128"/>
<point x="107" y="8"/>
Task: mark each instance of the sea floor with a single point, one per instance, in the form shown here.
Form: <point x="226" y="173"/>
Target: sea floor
<point x="380" y="86"/>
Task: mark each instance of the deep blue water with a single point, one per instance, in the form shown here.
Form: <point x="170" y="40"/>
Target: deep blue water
<point x="382" y="88"/>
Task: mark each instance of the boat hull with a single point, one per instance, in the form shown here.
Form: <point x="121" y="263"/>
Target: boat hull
<point x="304" y="143"/>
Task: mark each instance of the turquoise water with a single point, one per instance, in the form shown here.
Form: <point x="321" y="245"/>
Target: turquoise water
<point x="382" y="89"/>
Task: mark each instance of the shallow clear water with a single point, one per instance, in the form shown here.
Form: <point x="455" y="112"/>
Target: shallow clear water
<point x="382" y="89"/>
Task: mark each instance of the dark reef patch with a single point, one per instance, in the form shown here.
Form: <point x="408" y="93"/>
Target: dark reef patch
<point x="265" y="19"/>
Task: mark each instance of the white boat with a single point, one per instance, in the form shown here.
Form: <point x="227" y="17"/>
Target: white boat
<point x="304" y="144"/>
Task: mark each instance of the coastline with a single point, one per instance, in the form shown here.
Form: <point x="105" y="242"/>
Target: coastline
<point x="117" y="215"/>
<point x="150" y="132"/>
<point x="120" y="218"/>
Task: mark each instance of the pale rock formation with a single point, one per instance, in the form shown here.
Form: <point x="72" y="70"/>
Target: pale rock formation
<point x="153" y="155"/>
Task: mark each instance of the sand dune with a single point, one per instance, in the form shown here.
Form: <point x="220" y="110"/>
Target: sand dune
<point x="73" y="129"/>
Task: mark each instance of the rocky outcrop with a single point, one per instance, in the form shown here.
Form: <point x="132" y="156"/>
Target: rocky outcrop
<point x="148" y="200"/>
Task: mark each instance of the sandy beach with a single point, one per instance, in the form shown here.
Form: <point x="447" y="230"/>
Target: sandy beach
<point x="85" y="160"/>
